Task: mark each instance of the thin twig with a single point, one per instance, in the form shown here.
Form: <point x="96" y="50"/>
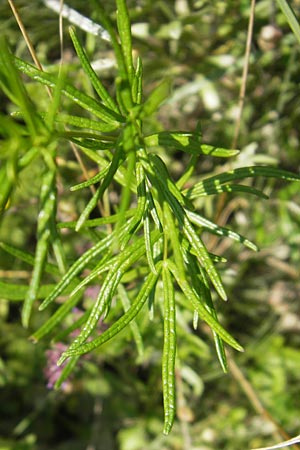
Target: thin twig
<point x="255" y="401"/>
<point x="222" y="197"/>
<point x="244" y="76"/>
<point x="27" y="40"/>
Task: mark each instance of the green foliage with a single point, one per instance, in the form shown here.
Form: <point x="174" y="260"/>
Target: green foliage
<point x="149" y="248"/>
<point x="290" y="17"/>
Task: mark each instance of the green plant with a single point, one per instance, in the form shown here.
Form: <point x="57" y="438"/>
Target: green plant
<point x="153" y="237"/>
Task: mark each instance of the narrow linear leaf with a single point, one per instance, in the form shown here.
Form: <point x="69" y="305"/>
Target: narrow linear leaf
<point x="69" y="367"/>
<point x="133" y="325"/>
<point x="219" y="344"/>
<point x="83" y="122"/>
<point x="45" y="219"/>
<point x="116" y="161"/>
<point x="97" y="138"/>
<point x="56" y="99"/>
<point x="120" y="264"/>
<point x="17" y="292"/>
<point x="204" y="257"/>
<point x="102" y="304"/>
<point x="90" y="143"/>
<point x="57" y="317"/>
<point x="13" y="84"/>
<point x="203" y="313"/>
<point x="88" y="209"/>
<point x="85" y="101"/>
<point x="81" y="263"/>
<point x="143" y="202"/>
<point x="186" y="246"/>
<point x="141" y="192"/>
<point x="124" y="96"/>
<point x="156" y="98"/>
<point x="187" y="142"/>
<point x="56" y="242"/>
<point x="197" y="219"/>
<point x="65" y="332"/>
<point x="93" y="77"/>
<point x="97" y="222"/>
<point x="39" y="262"/>
<point x="196" y="243"/>
<point x="121" y="323"/>
<point x="148" y="242"/>
<point x="218" y="189"/>
<point x="93" y="180"/>
<point x="113" y="36"/>
<point x="124" y="28"/>
<point x="290" y="17"/>
<point x="137" y="86"/>
<point x="220" y="348"/>
<point x="218" y="151"/>
<point x="237" y="174"/>
<point x="6" y="189"/>
<point x="152" y="208"/>
<point x="187" y="173"/>
<point x="160" y="175"/>
<point x="28" y="258"/>
<point x="195" y="320"/>
<point x="132" y="170"/>
<point x="172" y="233"/>
<point x="104" y="265"/>
<point x="169" y="350"/>
<point x="201" y="287"/>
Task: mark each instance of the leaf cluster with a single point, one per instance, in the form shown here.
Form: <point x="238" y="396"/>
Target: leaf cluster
<point x="151" y="245"/>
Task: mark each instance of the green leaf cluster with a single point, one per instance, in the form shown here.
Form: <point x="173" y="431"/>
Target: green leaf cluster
<point x="153" y="241"/>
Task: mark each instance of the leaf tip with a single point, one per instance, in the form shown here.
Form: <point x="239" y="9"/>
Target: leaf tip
<point x="25" y="316"/>
<point x="78" y="225"/>
<point x="33" y="339"/>
<point x="43" y="305"/>
<point x="62" y="359"/>
<point x="167" y="428"/>
<point x="223" y="295"/>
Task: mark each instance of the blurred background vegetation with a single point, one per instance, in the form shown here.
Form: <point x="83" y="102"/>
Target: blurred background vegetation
<point x="114" y="399"/>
